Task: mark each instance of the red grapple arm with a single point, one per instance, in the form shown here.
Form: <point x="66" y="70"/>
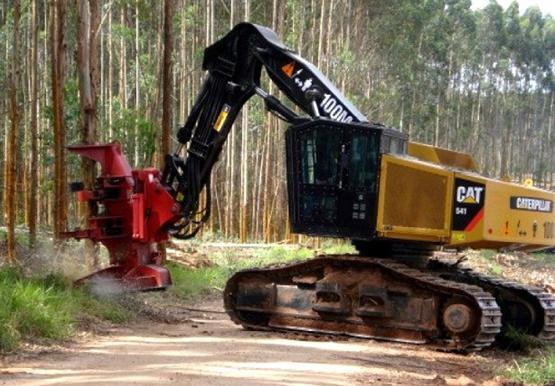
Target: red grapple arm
<point x="129" y="212"/>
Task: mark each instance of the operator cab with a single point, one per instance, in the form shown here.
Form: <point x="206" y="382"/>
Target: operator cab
<point x="333" y="174"/>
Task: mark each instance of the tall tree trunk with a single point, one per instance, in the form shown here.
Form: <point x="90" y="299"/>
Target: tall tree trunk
<point x="123" y="63"/>
<point x="267" y="149"/>
<point x="167" y="91"/>
<point x="88" y="21"/>
<point x="58" y="52"/>
<point x="229" y="167"/>
<point x="44" y="210"/>
<point x="329" y="38"/>
<point x="33" y="175"/>
<point x="321" y="36"/>
<point x="167" y="75"/>
<point x="244" y="188"/>
<point x="110" y="76"/>
<point x="10" y="179"/>
<point x="23" y="184"/>
<point x="183" y="67"/>
<point x="4" y="137"/>
<point x="87" y="67"/>
<point x="551" y="141"/>
<point x="137" y="88"/>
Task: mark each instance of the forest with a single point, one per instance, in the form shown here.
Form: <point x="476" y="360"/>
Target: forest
<point x="92" y="71"/>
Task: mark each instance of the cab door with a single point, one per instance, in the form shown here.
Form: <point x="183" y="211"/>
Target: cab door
<point x="332" y="174"/>
<point x="320" y="176"/>
<point x="357" y="191"/>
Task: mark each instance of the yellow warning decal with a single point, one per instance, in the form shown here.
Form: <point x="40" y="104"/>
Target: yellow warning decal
<point x="288" y="69"/>
<point x="458" y="237"/>
<point x="221" y="118"/>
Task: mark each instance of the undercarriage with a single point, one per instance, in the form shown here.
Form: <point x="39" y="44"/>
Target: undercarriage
<point x="437" y="304"/>
<point x="367" y="298"/>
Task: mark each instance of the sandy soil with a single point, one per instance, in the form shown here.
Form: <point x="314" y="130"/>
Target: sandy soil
<point x="208" y="349"/>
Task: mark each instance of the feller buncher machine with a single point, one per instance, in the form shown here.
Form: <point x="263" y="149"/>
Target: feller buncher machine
<point x="347" y="177"/>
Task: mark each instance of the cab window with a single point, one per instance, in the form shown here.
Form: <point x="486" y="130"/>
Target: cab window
<point x="319" y="156"/>
<point x="364" y="162"/>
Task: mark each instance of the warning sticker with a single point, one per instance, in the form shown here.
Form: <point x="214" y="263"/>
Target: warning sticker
<point x="458" y="236"/>
<point x="288" y="69"/>
<point x="221" y="118"/>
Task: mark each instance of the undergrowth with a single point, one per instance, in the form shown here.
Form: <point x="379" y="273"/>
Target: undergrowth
<point x="334" y="248"/>
<point x="536" y="370"/>
<point x="488" y="257"/>
<point x="544" y="259"/>
<point x="50" y="308"/>
<point x="188" y="283"/>
<point x="516" y="340"/>
<point x="46" y="308"/>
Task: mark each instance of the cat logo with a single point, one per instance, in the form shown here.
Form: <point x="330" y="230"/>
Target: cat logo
<point x="468" y="209"/>
<point x="469" y="194"/>
<point x="288" y="69"/>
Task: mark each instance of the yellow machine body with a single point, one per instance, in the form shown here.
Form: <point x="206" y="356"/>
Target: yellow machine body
<point x="429" y="196"/>
<point x="441" y="156"/>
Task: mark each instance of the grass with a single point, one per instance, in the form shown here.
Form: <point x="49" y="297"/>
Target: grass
<point x="189" y="283"/>
<point x="50" y="309"/>
<point x="46" y="308"/>
<point x="538" y="370"/>
<point x="517" y="340"/>
<point x="334" y="248"/>
<point x="104" y="308"/>
<point x="545" y="259"/>
<point x="488" y="257"/>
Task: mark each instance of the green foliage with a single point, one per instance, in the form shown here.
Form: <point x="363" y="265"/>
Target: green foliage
<point x="72" y="111"/>
<point x="103" y="307"/>
<point x="545" y="259"/>
<point x="133" y="130"/>
<point x="188" y="283"/>
<point x="121" y="31"/>
<point x="488" y="257"/>
<point x="334" y="248"/>
<point x="32" y="309"/>
<point x="21" y="238"/>
<point x="538" y="370"/>
<point x="46" y="308"/>
<point x="277" y="255"/>
<point x="517" y="340"/>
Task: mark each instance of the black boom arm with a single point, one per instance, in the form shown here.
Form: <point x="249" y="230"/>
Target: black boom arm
<point x="234" y="64"/>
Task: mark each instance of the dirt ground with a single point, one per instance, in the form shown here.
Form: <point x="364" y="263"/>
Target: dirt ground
<point x="206" y="348"/>
<point x="196" y="344"/>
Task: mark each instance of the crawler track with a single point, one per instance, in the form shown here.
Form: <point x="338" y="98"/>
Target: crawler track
<point x="527" y="308"/>
<point x="364" y="297"/>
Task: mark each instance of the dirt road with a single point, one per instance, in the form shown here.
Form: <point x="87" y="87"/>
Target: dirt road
<point x="208" y="349"/>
